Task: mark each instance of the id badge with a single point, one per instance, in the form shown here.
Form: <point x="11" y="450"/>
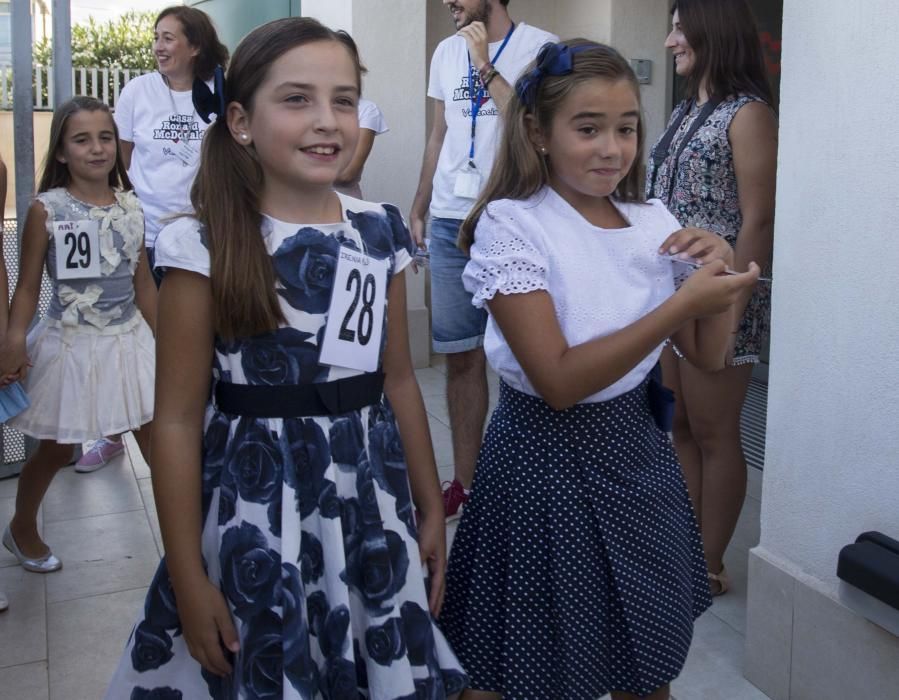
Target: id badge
<point x="77" y="249"/>
<point x="468" y="183"/>
<point x="187" y="151"/>
<point x="356" y="316"/>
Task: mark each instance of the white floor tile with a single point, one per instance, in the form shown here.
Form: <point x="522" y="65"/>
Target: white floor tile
<point x="101" y="554"/>
<point x="111" y="489"/>
<point x="714" y="669"/>
<point x="437" y="408"/>
<point x="23" y="627"/>
<point x="431" y="382"/>
<point x="25" y="682"/>
<point x="7" y="509"/>
<point x="442" y="440"/>
<point x="8" y="487"/>
<point x="86" y="639"/>
<point x="731" y="607"/>
<point x="140" y="467"/>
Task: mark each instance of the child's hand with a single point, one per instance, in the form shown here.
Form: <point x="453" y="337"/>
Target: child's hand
<point x="13" y="358"/>
<point x="207" y="626"/>
<point x="699" y="244"/>
<point x="8" y="379"/>
<point x="432" y="547"/>
<point x="708" y="291"/>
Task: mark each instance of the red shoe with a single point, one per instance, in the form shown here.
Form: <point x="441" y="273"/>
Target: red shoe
<point x="454" y="499"/>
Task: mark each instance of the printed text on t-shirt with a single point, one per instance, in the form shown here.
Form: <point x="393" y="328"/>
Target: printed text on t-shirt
<point x="177" y="127"/>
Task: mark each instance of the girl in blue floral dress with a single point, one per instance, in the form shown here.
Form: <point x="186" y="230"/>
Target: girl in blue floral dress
<point x="292" y="557"/>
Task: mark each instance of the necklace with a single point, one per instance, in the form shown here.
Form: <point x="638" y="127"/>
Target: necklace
<point x="183" y="129"/>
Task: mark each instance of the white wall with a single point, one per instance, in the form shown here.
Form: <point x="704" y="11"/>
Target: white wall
<point x="638" y="30"/>
<point x="832" y="461"/>
<point x="337" y="14"/>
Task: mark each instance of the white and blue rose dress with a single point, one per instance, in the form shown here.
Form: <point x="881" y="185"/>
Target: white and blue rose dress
<point x="309" y="528"/>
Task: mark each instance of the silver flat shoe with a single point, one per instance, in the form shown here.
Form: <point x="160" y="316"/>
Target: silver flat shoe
<point x="44" y="565"/>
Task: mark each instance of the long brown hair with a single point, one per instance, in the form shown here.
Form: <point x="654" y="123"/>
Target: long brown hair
<point x="519" y="171"/>
<point x="228" y="186"/>
<point x="56" y="174"/>
<point x="200" y="33"/>
<point x="724" y="37"/>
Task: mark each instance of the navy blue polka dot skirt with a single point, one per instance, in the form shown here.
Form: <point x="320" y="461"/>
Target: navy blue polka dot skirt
<point x="578" y="567"/>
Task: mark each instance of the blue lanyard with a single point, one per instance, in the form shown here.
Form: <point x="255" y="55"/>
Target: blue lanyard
<point x="476" y="100"/>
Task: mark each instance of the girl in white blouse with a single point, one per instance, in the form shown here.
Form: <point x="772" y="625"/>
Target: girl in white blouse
<point x="577" y="568"/>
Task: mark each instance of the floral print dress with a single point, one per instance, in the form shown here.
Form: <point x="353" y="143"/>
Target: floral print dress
<point x="704" y="194"/>
<point x="309" y="526"/>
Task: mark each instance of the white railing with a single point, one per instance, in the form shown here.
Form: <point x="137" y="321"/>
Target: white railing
<point x="101" y="83"/>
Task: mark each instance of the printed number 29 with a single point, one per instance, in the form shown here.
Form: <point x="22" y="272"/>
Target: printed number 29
<point x="366" y="315"/>
<point x="82" y="245"/>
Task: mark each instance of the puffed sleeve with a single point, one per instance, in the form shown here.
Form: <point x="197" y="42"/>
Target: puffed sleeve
<point x="402" y="238"/>
<point x="371" y="117"/>
<point x="435" y="89"/>
<point x="506" y="256"/>
<point x="182" y="245"/>
<point x="124" y="112"/>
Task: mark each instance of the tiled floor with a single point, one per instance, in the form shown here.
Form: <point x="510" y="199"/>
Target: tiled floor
<point x="63" y="633"/>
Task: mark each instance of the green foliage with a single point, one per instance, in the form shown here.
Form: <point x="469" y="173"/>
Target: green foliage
<point x="124" y="42"/>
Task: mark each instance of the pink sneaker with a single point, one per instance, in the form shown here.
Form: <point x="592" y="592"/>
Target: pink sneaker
<point x="99" y="455"/>
<point x="454" y="499"/>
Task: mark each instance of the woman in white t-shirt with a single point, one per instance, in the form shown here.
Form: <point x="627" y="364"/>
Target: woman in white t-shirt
<point x="371" y="124"/>
<point x="159" y="127"/>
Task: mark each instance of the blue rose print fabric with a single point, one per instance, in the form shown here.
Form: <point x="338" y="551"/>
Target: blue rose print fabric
<point x="308" y="522"/>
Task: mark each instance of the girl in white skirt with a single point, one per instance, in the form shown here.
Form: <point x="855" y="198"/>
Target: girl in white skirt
<point x="88" y="365"/>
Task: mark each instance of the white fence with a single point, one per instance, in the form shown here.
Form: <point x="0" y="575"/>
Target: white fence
<point x="102" y="83"/>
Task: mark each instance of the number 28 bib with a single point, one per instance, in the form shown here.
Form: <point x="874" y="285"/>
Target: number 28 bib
<point x="77" y="249"/>
<point x="356" y="316"/>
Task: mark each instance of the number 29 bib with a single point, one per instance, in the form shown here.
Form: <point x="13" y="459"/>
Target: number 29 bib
<point x="356" y="316"/>
<point x="77" y="249"/>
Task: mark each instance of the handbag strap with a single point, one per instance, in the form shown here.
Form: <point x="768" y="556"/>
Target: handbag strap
<point x="661" y="152"/>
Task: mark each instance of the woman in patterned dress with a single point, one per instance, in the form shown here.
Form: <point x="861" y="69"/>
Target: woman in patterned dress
<point x="720" y="178"/>
<point x="292" y="558"/>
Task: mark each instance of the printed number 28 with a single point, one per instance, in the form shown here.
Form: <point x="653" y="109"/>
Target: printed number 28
<point x="82" y="245"/>
<point x="366" y="315"/>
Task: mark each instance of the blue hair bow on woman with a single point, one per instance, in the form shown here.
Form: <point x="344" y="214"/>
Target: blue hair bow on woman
<point x="210" y="101"/>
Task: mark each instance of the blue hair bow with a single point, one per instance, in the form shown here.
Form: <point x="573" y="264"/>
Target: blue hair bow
<point x="213" y="101"/>
<point x="552" y="59"/>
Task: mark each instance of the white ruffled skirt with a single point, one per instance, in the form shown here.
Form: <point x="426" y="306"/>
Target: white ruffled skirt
<point x="86" y="382"/>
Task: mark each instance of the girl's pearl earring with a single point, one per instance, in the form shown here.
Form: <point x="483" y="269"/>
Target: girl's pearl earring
<point x="244" y="137"/>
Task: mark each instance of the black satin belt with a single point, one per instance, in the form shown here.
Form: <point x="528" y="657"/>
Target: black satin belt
<point x="299" y="400"/>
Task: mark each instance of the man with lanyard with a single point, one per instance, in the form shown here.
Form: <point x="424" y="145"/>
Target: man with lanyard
<point x="472" y="77"/>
